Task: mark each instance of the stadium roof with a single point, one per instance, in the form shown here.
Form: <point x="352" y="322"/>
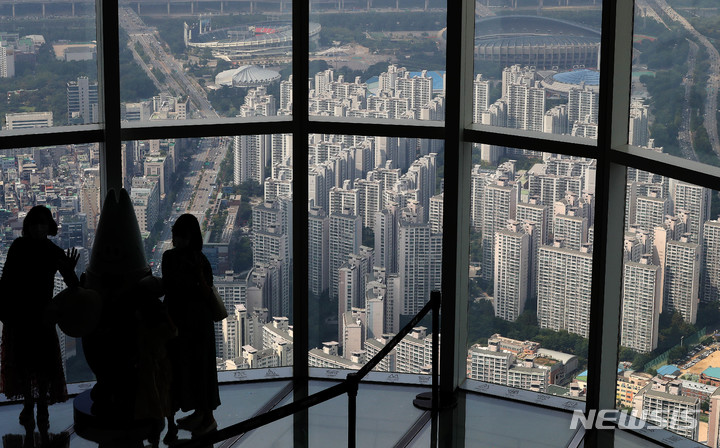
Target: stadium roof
<point x="534" y="41"/>
<point x="246" y="76"/>
<point x="531" y="25"/>
<point x="589" y="77"/>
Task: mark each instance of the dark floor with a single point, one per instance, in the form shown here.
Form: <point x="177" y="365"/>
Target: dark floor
<point x="385" y="415"/>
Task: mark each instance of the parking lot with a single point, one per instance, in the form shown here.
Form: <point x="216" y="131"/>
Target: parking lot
<point x="706" y="357"/>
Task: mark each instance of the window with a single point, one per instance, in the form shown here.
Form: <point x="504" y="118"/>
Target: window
<point x="531" y="235"/>
<point x="223" y="96"/>
<point x="375" y="242"/>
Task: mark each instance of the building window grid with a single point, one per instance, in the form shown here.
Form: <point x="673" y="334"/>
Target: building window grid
<point x="102" y="134"/>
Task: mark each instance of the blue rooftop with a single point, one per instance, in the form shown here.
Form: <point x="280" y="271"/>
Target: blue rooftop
<point x="669" y="369"/>
<point x="712" y="371"/>
<point x="437" y="77"/>
<point x="589" y="77"/>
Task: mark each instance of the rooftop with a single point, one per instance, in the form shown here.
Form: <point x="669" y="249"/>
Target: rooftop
<point x="583" y="76"/>
<point x="670" y="369"/>
<point x="246" y="76"/>
<point x="713" y="372"/>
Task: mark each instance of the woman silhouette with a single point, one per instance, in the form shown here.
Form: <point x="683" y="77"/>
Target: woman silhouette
<point x="31" y="362"/>
<point x="187" y="278"/>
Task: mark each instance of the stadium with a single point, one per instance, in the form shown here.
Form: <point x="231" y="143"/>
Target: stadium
<point x="246" y="76"/>
<point x="541" y="42"/>
<point x="245" y="42"/>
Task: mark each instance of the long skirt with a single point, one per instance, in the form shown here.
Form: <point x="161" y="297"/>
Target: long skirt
<point x="31" y="364"/>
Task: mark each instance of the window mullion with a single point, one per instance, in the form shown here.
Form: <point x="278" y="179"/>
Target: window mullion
<point x="300" y="57"/>
<point x="458" y="159"/>
<point x="615" y="70"/>
<point x="109" y="94"/>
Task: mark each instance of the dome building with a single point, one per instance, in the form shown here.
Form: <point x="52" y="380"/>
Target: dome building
<point x="246" y="76"/>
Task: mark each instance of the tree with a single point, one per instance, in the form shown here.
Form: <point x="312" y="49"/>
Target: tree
<point x="249" y="189"/>
<point x="708" y="315"/>
<point x="626" y="354"/>
<point x="241" y="250"/>
<point x="676" y="353"/>
<point x="368" y="237"/>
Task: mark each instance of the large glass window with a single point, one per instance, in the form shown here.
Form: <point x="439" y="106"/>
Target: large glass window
<point x="675" y="80"/>
<point x="378" y="59"/>
<point x="65" y="179"/>
<point x="537" y="68"/>
<point x="204" y="63"/>
<point x="375" y="239"/>
<point x="376" y="188"/>
<point x="48" y="66"/>
<point x="670" y="308"/>
<point x="240" y="190"/>
<point x="531" y="219"/>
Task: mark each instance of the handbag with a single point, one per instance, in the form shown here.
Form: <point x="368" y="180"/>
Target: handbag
<point x="217" y="306"/>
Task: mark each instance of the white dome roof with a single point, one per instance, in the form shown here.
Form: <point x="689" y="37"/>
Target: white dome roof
<point x="246" y="76"/>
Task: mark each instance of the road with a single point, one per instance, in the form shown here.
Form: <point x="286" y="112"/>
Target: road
<point x="713" y="83"/>
<point x="176" y="81"/>
<point x="198" y="193"/>
<point x="685" y="136"/>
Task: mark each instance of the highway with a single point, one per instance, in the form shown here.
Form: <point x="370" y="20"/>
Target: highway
<point x="176" y="81"/>
<point x="199" y="191"/>
<point x="685" y="136"/>
<point x="713" y="84"/>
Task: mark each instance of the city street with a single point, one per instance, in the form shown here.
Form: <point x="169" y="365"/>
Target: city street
<point x="176" y="81"/>
<point x="198" y="192"/>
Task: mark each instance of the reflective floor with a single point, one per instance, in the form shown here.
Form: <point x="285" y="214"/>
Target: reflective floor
<point x="385" y="418"/>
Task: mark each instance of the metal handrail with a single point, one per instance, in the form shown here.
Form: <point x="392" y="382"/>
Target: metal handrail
<point x="349" y="385"/>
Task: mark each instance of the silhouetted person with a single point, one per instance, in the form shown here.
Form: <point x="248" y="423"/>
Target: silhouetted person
<point x="31" y="361"/>
<point x="187" y="278"/>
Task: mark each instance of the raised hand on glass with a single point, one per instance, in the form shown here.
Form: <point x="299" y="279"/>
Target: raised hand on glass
<point x="73" y="256"/>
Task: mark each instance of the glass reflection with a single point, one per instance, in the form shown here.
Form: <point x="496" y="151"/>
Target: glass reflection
<point x="379" y="59"/>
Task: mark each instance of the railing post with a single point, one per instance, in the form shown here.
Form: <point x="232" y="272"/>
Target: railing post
<point x="435" y="297"/>
<point x="352" y="409"/>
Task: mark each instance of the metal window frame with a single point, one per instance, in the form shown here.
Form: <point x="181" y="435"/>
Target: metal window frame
<point x="611" y="151"/>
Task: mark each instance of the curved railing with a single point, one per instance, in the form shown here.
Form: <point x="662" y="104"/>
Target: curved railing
<point x="349" y="386"/>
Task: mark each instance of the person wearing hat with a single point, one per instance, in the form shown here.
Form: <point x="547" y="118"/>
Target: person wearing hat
<point x="31" y="362"/>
